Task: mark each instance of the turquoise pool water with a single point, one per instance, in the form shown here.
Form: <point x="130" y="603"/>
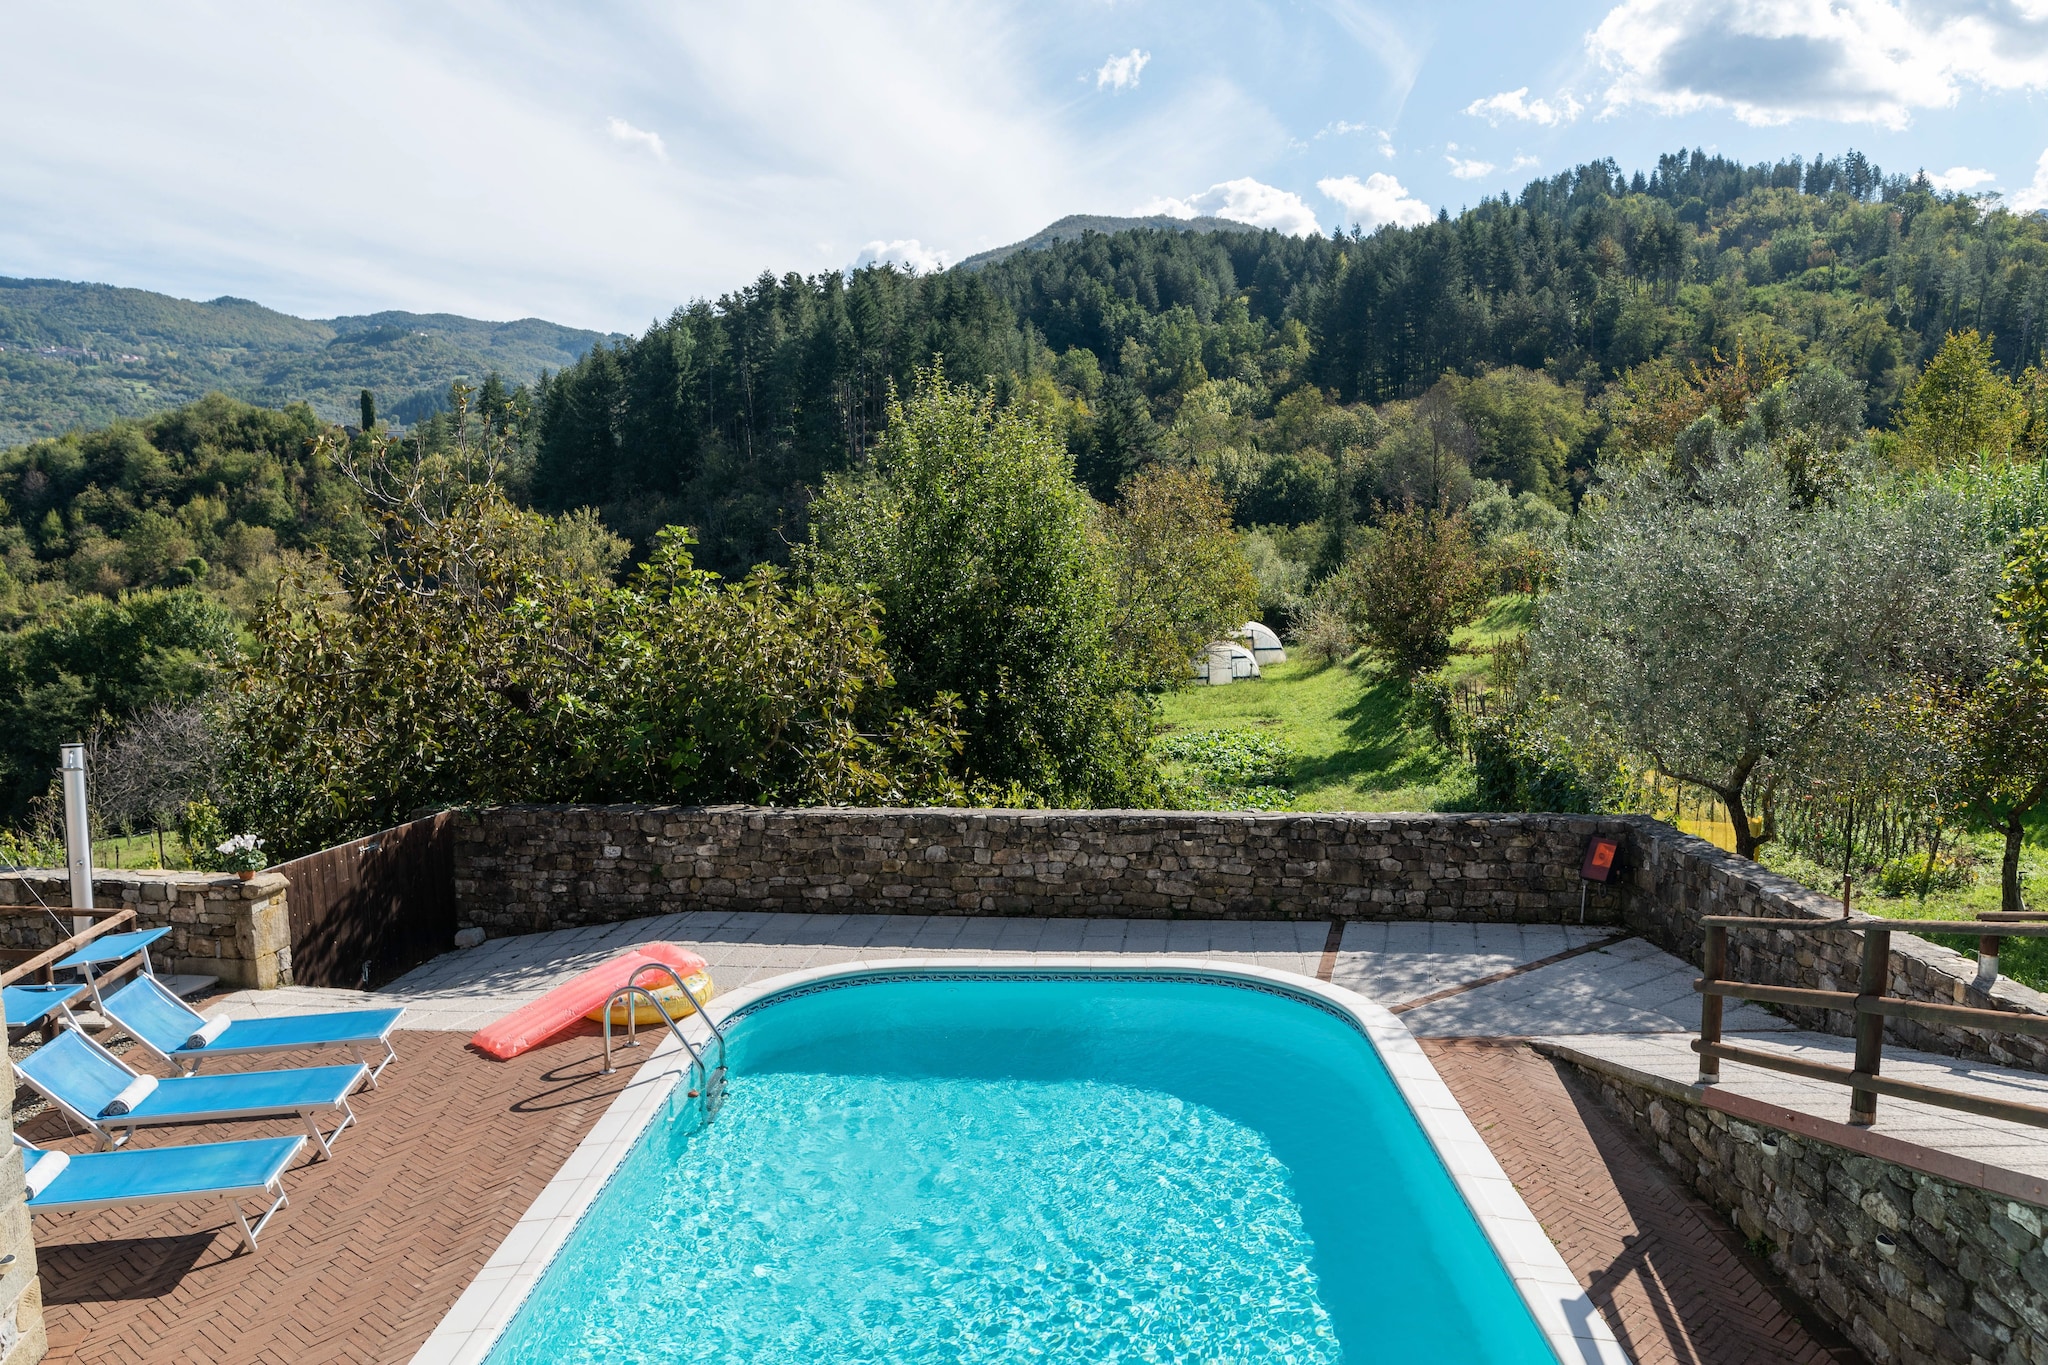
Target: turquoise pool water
<point x="983" y="1170"/>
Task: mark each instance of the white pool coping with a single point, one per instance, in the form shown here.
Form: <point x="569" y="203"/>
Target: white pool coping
<point x="1576" y="1332"/>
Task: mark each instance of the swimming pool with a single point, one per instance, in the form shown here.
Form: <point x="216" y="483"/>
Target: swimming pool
<point x="946" y="1165"/>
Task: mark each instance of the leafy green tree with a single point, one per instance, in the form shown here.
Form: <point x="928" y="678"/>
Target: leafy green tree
<point x="1723" y="631"/>
<point x="1182" y="578"/>
<point x="995" y="584"/>
<point x="470" y="661"/>
<point x="92" y="661"/>
<point x="1994" y="727"/>
<point x="1418" y="580"/>
<point x="1527" y="427"/>
<point x="1961" y="408"/>
<point x="368" y="404"/>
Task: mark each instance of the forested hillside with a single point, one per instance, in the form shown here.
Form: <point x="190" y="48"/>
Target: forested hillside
<point x="1254" y="353"/>
<point x="80" y="355"/>
<point x="1305" y="389"/>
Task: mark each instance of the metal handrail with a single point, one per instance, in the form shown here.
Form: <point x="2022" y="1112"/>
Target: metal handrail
<point x="699" y="1005"/>
<point x="633" y="1020"/>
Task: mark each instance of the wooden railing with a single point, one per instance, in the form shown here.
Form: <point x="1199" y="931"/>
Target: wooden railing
<point x="1870" y="1006"/>
<point x="23" y="963"/>
<point x="109" y="920"/>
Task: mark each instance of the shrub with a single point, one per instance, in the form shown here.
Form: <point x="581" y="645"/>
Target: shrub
<point x="1952" y="871"/>
<point x="1235" y="769"/>
<point x="1417" y="582"/>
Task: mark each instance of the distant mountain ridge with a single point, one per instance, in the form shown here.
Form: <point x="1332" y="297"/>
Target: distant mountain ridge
<point x="79" y="355"/>
<point x="1074" y="225"/>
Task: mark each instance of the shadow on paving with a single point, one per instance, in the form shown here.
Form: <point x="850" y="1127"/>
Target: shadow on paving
<point x="128" y="1267"/>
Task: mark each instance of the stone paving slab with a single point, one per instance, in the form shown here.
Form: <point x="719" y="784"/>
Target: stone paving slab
<point x="1629" y="988"/>
<point x="1994" y="1142"/>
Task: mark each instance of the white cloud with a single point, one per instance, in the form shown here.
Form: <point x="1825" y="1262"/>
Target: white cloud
<point x="905" y="253"/>
<point x="1858" y="61"/>
<point x="623" y="131"/>
<point x="2035" y="196"/>
<point x="1342" y="128"/>
<point x="1376" y="201"/>
<point x="1121" y="73"/>
<point x="781" y="130"/>
<point x="1244" y="201"/>
<point x="1516" y="105"/>
<point x="1960" y="178"/>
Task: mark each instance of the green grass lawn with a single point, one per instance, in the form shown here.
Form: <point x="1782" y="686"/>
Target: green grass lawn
<point x="1352" y="742"/>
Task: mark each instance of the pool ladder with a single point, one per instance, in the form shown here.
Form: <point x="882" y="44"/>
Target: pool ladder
<point x="712" y="1086"/>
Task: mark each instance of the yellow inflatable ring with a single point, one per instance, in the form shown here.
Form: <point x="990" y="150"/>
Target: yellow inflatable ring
<point x="679" y="1004"/>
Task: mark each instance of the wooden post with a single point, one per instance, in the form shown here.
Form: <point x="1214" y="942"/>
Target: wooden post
<point x="1876" y="974"/>
<point x="1710" y="1005"/>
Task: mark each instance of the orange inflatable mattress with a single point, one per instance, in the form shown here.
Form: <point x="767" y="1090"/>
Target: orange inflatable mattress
<point x="531" y="1025"/>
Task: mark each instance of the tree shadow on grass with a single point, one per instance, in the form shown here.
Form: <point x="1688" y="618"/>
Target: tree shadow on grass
<point x="1385" y="747"/>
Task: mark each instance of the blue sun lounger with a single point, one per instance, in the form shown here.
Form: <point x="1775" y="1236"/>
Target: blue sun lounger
<point x="31" y="1004"/>
<point x="60" y="1182"/>
<point x="92" y="1086"/>
<point x="152" y="1014"/>
<point x="113" y="948"/>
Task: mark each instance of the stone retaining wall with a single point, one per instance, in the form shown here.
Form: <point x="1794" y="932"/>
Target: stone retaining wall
<point x="519" y="869"/>
<point x="22" y="1338"/>
<point x="524" y="868"/>
<point x="1677" y="878"/>
<point x="220" y="925"/>
<point x="1961" y="1274"/>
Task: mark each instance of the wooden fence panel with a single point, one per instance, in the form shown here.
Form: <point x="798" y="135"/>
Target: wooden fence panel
<point x="364" y="911"/>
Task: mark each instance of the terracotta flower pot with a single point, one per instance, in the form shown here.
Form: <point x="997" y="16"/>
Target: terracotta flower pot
<point x="246" y="876"/>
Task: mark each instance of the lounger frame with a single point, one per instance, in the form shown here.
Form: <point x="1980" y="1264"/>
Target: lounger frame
<point x="233" y="1196"/>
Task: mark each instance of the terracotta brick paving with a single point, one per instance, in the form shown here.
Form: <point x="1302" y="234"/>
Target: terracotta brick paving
<point x="374" y="1247"/>
<point x="1670" y="1276"/>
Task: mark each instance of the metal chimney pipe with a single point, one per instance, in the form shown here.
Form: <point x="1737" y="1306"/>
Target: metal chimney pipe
<point x="77" y="835"/>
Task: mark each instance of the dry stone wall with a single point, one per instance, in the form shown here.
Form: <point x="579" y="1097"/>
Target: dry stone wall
<point x="1910" y="1267"/>
<point x="525" y="868"/>
<point x="519" y="869"/>
<point x="239" y="931"/>
<point x="22" y="1338"/>
<point x="1677" y="878"/>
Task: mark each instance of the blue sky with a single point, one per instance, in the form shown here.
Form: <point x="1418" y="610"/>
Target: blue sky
<point x="600" y="165"/>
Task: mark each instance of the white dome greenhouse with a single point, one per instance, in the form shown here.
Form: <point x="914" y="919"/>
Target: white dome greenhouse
<point x="1224" y="662"/>
<point x="1263" y="642"/>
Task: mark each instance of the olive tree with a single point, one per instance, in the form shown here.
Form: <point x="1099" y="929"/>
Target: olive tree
<point x="1721" y="628"/>
<point x="1993" y="726"/>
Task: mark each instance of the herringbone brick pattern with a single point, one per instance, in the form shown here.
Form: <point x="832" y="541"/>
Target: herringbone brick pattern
<point x="1668" y="1274"/>
<point x="374" y="1247"/>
